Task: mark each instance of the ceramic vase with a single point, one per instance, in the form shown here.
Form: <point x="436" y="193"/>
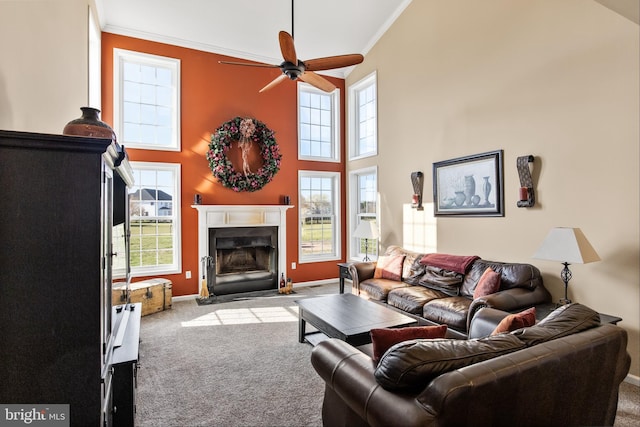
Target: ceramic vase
<point x="486" y="189"/>
<point x="459" y="199"/>
<point x="89" y="124"/>
<point x="469" y="188"/>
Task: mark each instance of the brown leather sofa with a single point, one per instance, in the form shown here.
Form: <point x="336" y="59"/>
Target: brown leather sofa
<point x="439" y="296"/>
<point x="563" y="371"/>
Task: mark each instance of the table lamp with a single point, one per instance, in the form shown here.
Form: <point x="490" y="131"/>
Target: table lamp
<point x="569" y="246"/>
<point x="366" y="230"/>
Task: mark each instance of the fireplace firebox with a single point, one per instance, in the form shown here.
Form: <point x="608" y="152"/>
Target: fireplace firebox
<point x="242" y="259"/>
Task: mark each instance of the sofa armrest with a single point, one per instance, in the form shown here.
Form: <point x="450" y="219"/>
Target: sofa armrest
<point x="516" y="389"/>
<point x="359" y="272"/>
<point x="485" y="322"/>
<point x="352" y="388"/>
<point x="509" y="300"/>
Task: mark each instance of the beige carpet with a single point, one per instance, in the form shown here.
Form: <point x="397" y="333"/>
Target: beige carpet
<point x="628" y="414"/>
<point x="240" y="364"/>
<point x="232" y="364"/>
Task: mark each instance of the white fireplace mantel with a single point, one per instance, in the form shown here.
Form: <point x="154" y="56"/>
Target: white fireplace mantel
<point x="217" y="216"/>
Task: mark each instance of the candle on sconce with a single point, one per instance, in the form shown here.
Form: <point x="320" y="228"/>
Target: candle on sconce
<point x="524" y="193"/>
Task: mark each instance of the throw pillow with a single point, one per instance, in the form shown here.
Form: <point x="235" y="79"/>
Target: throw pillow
<point x="488" y="284"/>
<point x="385" y="338"/>
<point x="516" y="321"/>
<point x="389" y="267"/>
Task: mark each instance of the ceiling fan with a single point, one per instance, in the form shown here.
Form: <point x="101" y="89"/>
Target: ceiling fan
<point x="293" y="68"/>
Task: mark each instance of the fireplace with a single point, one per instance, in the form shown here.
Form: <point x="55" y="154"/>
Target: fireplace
<point x="245" y="246"/>
<point x="242" y="259"/>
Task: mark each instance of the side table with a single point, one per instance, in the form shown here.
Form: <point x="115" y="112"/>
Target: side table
<point x="343" y="273"/>
<point x="543" y="310"/>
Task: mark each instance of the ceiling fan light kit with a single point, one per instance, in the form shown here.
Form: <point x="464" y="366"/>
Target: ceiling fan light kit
<point x="295" y="69"/>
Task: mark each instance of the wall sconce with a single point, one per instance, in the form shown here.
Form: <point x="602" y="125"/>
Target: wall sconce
<point x="527" y="197"/>
<point x="417" y="179"/>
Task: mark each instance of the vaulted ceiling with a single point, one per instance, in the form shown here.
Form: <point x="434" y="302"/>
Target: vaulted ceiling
<point x="249" y="29"/>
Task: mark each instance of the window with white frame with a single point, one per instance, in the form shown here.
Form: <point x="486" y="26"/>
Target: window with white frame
<point x="364" y="205"/>
<point x="146" y="100"/>
<point x="318" y="124"/>
<point x="363" y="118"/>
<point x="154" y="208"/>
<point x="319" y="213"/>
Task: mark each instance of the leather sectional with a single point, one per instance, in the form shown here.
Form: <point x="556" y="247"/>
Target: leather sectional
<point x="436" y="294"/>
<point x="563" y="371"/>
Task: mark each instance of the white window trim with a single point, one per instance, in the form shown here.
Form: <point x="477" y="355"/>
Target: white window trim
<point x="95" y="62"/>
<point x="353" y="201"/>
<point x="304" y="259"/>
<point x="176" y="267"/>
<point x="353" y="116"/>
<point x="335" y="122"/>
<point x="118" y="56"/>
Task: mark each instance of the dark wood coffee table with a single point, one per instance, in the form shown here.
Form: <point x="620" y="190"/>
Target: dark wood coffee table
<point x="347" y="317"/>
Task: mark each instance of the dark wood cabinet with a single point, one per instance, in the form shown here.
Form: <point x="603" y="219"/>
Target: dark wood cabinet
<point x="56" y="321"/>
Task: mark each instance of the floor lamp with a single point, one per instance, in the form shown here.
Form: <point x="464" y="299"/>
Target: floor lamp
<point x="366" y="230"/>
<point x="569" y="246"/>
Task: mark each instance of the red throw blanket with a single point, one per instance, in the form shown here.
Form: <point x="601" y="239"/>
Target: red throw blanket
<point x="457" y="263"/>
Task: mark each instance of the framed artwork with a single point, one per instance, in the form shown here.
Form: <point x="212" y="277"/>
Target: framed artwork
<point x="469" y="186"/>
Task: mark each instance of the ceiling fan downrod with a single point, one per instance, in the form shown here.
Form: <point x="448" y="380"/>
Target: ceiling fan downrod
<point x="293" y="68"/>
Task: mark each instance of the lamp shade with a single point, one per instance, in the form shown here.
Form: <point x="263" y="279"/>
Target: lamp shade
<point x="566" y="244"/>
<point x="366" y="230"/>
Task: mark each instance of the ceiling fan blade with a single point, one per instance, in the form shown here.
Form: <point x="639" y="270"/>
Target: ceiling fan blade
<point x="317" y="81"/>
<point x="330" y="62"/>
<point x="249" y="64"/>
<point x="274" y="82"/>
<point x="287" y="47"/>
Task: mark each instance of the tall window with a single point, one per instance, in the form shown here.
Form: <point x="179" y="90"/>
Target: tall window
<point x="364" y="205"/>
<point x="363" y="118"/>
<point x="319" y="216"/>
<point x="318" y="124"/>
<point x="154" y="206"/>
<point x="146" y="100"/>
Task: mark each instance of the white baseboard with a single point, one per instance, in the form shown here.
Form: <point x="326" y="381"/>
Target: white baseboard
<point x="317" y="283"/>
<point x="185" y="297"/>
<point x="633" y="380"/>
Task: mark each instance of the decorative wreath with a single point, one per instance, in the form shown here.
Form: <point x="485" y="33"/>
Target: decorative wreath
<point x="246" y="131"/>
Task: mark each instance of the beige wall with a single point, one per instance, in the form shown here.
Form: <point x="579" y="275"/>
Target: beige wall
<point x="555" y="79"/>
<point x="44" y="66"/>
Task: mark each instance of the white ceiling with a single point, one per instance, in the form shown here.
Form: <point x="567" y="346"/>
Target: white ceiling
<point x="249" y="29"/>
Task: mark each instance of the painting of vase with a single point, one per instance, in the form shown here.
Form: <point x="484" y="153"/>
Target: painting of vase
<point x="457" y="191"/>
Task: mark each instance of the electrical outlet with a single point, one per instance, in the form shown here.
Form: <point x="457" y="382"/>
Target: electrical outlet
<point x="188" y="274"/>
<point x="293" y="265"/>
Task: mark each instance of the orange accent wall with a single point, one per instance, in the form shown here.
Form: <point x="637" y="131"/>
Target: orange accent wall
<point x="211" y="94"/>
